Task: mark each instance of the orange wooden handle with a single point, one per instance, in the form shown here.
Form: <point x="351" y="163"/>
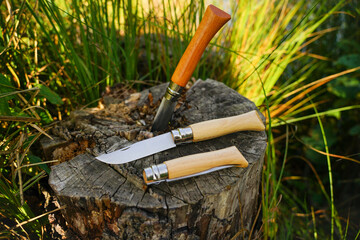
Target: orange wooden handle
<point x="213" y="19"/>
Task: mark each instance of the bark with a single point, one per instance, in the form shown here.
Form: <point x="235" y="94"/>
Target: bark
<point x="112" y="202"/>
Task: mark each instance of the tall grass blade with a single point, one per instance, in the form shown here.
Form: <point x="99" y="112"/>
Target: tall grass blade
<point x="328" y="113"/>
<point x="332" y="205"/>
<point x="357" y="235"/>
<point x="314" y="223"/>
<point x="270" y="47"/>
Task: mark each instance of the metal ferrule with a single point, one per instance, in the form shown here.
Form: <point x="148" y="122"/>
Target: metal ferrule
<point x="166" y="108"/>
<point x="156" y="172"/>
<point x="173" y="92"/>
<point x="182" y="135"/>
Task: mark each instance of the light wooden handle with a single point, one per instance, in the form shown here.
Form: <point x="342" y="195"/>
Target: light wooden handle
<point x="250" y="121"/>
<point x="196" y="163"/>
<point x="212" y="21"/>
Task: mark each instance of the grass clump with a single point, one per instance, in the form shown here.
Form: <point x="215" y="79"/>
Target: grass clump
<point x="56" y="56"/>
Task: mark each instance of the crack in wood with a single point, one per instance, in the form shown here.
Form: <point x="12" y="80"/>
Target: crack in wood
<point x="118" y="188"/>
<point x="169" y="193"/>
<point x="176" y="210"/>
<point x="197" y="186"/>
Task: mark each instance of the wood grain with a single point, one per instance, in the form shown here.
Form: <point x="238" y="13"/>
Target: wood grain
<point x="212" y="21"/>
<point x="250" y="121"/>
<point x="109" y="202"/>
<point x="196" y="163"/>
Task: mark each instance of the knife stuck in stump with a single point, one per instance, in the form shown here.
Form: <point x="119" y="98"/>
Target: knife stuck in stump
<point x="213" y="19"/>
<point x="194" y="165"/>
<point x="196" y="132"/>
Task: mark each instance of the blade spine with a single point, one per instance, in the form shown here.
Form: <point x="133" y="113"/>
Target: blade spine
<point x="214" y="169"/>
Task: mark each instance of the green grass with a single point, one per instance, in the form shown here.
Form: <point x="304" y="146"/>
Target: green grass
<point x="332" y="205"/>
<point x="58" y="56"/>
<point x="268" y="37"/>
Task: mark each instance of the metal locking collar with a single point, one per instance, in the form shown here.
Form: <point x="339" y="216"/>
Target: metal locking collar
<point x="182" y="135"/>
<point x="156" y="172"/>
<point x="173" y="91"/>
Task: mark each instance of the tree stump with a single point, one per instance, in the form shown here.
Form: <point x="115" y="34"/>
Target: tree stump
<point x="111" y="201"/>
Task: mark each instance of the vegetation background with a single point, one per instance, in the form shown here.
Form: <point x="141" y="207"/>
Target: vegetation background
<point x="297" y="60"/>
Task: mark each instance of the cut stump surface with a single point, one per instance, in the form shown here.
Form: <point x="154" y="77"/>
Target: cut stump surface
<point x="111" y="202"/>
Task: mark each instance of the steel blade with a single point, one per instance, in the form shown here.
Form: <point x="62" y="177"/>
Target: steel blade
<point x="163" y="115"/>
<point x="139" y="150"/>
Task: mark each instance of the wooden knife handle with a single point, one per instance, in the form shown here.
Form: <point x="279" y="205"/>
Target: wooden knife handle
<point x="250" y="121"/>
<point x="212" y="21"/>
<point x="196" y="163"/>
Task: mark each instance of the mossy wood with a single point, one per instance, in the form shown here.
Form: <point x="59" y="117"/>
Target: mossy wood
<point x="112" y="201"/>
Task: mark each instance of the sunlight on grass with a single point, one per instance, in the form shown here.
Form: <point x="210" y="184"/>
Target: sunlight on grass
<point x="268" y="37"/>
<point x="61" y="55"/>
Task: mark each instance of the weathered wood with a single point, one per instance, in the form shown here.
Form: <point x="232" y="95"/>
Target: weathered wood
<point x="111" y="202"/>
